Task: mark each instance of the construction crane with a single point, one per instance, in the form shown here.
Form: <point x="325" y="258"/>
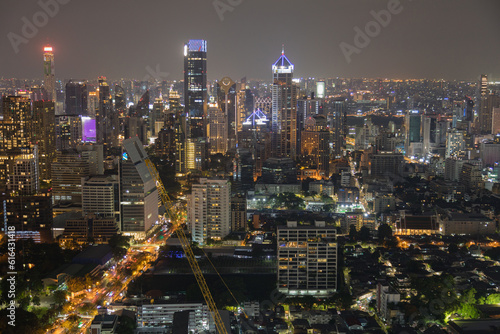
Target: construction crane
<point x="219" y="324"/>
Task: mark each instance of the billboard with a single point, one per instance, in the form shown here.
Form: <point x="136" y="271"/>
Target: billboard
<point x="88" y="130"/>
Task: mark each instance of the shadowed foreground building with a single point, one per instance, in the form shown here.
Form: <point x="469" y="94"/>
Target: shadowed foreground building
<point x="307" y="259"/>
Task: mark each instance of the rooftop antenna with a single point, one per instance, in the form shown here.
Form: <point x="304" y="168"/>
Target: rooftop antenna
<point x="283" y="48"/>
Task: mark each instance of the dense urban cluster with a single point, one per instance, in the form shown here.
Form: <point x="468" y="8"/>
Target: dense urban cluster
<point x="312" y="205"/>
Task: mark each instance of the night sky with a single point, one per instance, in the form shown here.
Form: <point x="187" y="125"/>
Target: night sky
<point x="448" y="39"/>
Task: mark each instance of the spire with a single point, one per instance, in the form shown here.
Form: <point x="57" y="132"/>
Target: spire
<point x="283" y="49"/>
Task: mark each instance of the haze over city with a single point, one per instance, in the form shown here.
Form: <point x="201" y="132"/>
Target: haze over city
<point x="450" y="39"/>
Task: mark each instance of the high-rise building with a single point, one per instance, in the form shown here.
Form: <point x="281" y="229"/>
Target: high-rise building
<point x="68" y="132"/>
<point x="284" y="109"/>
<point x="244" y="105"/>
<point x="209" y="210"/>
<point x="315" y="149"/>
<point x="69" y="169"/>
<point x="23" y="175"/>
<point x="307" y="259"/>
<point x="413" y="128"/>
<point x="120" y="101"/>
<point x="307" y="106"/>
<point x="100" y="196"/>
<point x="45" y="136"/>
<point x="16" y="132"/>
<point x="227" y="102"/>
<point x="139" y="196"/>
<point x="195" y="86"/>
<point x="483" y="114"/>
<point x="103" y="115"/>
<point x="239" y="213"/>
<point x="217" y="130"/>
<point x="76" y="98"/>
<point x="49" y="80"/>
<point x="386" y="163"/>
<point x="337" y="119"/>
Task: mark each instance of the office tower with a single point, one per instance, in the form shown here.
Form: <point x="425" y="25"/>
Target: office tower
<point x="209" y="210"/>
<point x="315" y="149"/>
<point x="45" y="136"/>
<point x="226" y="100"/>
<point x="103" y="116"/>
<point x="69" y="169"/>
<point x="469" y="110"/>
<point x="120" y="101"/>
<point x="157" y="117"/>
<point x="413" y="130"/>
<point x="307" y="259"/>
<point x="307" y="106"/>
<point x="386" y="164"/>
<point x="93" y="104"/>
<point x="76" y="98"/>
<point x="139" y="196"/>
<point x="244" y="169"/>
<point x="195" y="86"/>
<point x="433" y="133"/>
<point x="68" y="132"/>
<point x="49" y="80"/>
<point x="196" y="153"/>
<point x="217" y="130"/>
<point x="256" y="138"/>
<point x="337" y="119"/>
<point x="239" y="213"/>
<point x="165" y="145"/>
<point x="244" y="105"/>
<point x="284" y="109"/>
<point x="484" y="115"/>
<point x="101" y="197"/>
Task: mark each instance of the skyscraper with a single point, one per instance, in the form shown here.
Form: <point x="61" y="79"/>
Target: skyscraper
<point x="76" y="98"/>
<point x="226" y="100"/>
<point x="195" y="86"/>
<point x="337" y="119"/>
<point x="217" y="130"/>
<point x="49" y="80"/>
<point x="139" y="196"/>
<point x="284" y="109"/>
<point x="45" y="136"/>
<point x="484" y="120"/>
<point x="413" y="127"/>
<point x="16" y="132"/>
<point x="103" y="115"/>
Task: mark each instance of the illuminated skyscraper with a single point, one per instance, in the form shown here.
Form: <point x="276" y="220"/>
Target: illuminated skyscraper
<point x="484" y="121"/>
<point x="195" y="86"/>
<point x="284" y="109"/>
<point x="217" y="130"/>
<point x="49" y="80"/>
<point x="103" y="116"/>
<point x="226" y="100"/>
<point x="45" y="136"/>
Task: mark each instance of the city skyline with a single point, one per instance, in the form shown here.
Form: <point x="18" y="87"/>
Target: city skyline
<point x="414" y="42"/>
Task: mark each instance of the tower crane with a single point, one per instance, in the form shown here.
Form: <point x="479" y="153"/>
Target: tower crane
<point x="176" y="226"/>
